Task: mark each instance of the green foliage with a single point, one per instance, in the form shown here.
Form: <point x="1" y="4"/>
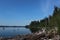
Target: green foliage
<point x="51" y="21"/>
<point x="34" y="26"/>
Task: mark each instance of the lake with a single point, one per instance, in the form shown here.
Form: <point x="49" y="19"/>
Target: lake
<point x="13" y="31"/>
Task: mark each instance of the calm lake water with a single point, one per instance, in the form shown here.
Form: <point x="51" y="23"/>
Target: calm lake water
<point x="13" y="31"/>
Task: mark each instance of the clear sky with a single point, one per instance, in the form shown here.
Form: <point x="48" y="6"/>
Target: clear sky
<point x="22" y="12"/>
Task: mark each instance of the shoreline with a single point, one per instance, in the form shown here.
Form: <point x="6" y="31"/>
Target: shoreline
<point x="42" y="34"/>
<point x="32" y="37"/>
<point x="36" y="36"/>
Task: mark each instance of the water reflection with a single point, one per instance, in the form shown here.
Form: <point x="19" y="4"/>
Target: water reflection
<point x="13" y="31"/>
<point x="3" y="28"/>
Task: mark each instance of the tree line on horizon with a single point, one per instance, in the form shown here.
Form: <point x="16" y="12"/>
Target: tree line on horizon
<point x="48" y="22"/>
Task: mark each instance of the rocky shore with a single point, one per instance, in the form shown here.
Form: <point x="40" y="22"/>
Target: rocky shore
<point x="34" y="37"/>
<point x="40" y="35"/>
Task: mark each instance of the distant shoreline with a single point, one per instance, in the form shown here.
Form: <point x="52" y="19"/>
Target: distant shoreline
<point x="12" y="26"/>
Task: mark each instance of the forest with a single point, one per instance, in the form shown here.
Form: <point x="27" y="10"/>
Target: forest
<point x="48" y="22"/>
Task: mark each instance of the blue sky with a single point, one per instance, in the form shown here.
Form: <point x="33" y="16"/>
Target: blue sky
<point x="22" y="12"/>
